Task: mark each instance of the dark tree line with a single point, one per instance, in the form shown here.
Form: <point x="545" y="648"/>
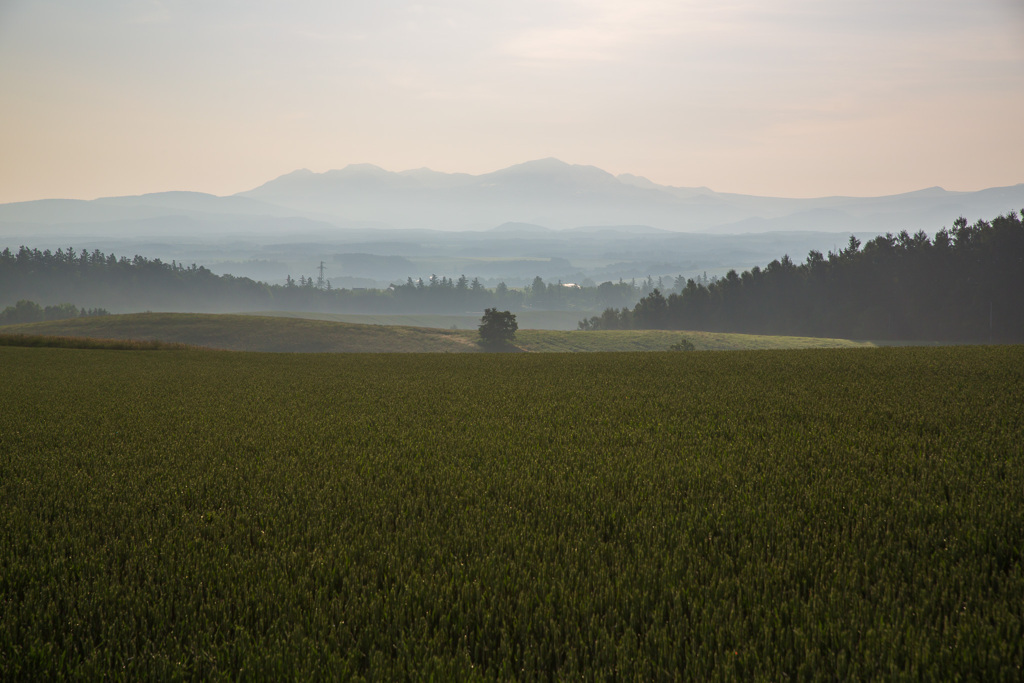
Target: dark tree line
<point x="966" y="284"/>
<point x="123" y="284"/>
<point x="26" y="311"/>
<point x="99" y="280"/>
<point x="465" y="295"/>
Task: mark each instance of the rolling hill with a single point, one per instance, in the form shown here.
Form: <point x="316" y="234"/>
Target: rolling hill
<point x="279" y="334"/>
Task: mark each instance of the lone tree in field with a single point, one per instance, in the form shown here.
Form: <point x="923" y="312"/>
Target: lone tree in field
<point x="497" y="328"/>
<point x="683" y="344"/>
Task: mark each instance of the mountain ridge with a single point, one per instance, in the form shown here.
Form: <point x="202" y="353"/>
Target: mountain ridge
<point x="547" y="192"/>
<point x="559" y="195"/>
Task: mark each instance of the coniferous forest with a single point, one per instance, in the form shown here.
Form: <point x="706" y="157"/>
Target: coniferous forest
<point x="120" y="285"/>
<point x="965" y="285"/>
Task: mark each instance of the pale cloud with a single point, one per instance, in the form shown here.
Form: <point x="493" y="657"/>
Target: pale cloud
<point x="602" y="31"/>
<point x="683" y="91"/>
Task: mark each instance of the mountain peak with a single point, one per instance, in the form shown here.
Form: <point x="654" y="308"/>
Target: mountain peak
<point x="546" y="162"/>
<point x="422" y="170"/>
<point x="550" y="168"/>
<point x="359" y="169"/>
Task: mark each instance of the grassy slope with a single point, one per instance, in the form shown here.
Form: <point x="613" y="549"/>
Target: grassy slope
<point x="57" y="342"/>
<point x="261" y="333"/>
<point x="533" y="320"/>
<point x="660" y="340"/>
<point x="255" y="333"/>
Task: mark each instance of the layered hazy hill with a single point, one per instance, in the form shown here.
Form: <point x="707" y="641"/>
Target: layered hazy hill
<point x="182" y="212"/>
<point x="546" y="193"/>
<point x="559" y="221"/>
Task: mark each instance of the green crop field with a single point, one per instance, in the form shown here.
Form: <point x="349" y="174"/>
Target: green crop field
<point x="814" y="514"/>
<point x="274" y="333"/>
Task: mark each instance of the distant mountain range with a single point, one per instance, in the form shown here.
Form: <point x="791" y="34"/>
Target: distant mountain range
<point x="532" y="196"/>
<point x="548" y="218"/>
<point x="554" y="194"/>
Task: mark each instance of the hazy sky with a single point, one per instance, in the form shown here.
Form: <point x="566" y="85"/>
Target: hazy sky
<point x="773" y="97"/>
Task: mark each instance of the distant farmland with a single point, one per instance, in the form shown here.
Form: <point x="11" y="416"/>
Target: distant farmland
<point x="830" y="514"/>
<point x="265" y="333"/>
<point x="530" y="320"/>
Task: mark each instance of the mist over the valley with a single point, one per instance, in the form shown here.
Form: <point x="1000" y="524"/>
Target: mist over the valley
<point x="575" y="224"/>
